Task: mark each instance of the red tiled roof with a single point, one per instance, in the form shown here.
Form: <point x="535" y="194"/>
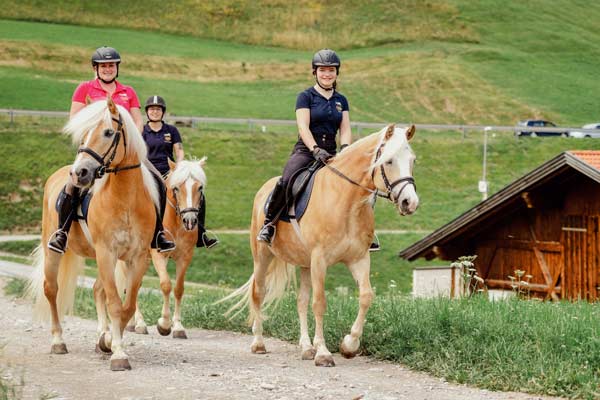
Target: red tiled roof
<point x="591" y="157"/>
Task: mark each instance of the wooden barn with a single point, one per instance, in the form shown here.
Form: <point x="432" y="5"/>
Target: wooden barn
<point x="545" y="223"/>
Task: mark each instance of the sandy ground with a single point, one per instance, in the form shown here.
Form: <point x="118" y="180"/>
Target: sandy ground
<point x="209" y="365"/>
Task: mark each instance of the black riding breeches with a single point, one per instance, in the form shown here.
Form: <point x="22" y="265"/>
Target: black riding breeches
<point x="298" y="160"/>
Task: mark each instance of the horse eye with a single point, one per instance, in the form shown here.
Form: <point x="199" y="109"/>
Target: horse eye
<point x="176" y="189"/>
<point x="200" y="188"/>
<point x="108" y="132"/>
<point x="389" y="162"/>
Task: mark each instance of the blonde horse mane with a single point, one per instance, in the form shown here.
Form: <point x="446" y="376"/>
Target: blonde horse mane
<point x="90" y="116"/>
<point x="188" y="169"/>
<point x="369" y="145"/>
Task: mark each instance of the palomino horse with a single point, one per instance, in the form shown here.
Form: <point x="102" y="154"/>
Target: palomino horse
<point x="120" y="225"/>
<point x="338" y="226"/>
<point x="185" y="184"/>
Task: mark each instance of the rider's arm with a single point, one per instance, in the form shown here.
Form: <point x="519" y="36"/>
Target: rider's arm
<point x="179" y="154"/>
<point x="303" y="121"/>
<point x="137" y="118"/>
<point x="345" y="131"/>
<point x="75" y="108"/>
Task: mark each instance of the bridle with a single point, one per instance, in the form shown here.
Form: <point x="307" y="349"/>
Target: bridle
<point x="179" y="211"/>
<point x="407" y="180"/>
<point x="104" y="167"/>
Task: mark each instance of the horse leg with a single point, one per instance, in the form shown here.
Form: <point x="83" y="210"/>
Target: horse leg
<point x="257" y="295"/>
<point x="106" y="264"/>
<point x="136" y="323"/>
<point x="308" y="351"/>
<point x="164" y="323"/>
<point x="182" y="266"/>
<point x="323" y="357"/>
<point x="52" y="261"/>
<point x="360" y="271"/>
<point x="104" y="338"/>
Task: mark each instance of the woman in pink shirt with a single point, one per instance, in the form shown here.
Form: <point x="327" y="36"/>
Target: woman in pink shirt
<point x="105" y="62"/>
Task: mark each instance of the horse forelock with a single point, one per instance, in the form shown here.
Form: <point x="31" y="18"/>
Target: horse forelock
<point x="187" y="169"/>
<point x="395" y="144"/>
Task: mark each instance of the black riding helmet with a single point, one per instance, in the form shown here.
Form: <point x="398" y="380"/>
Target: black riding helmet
<point x="106" y="54"/>
<point x="326" y="58"/>
<point x="156" y="101"/>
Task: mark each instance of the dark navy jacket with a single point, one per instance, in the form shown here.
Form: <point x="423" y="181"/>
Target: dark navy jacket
<point x="325" y="117"/>
<point x="160" y="145"/>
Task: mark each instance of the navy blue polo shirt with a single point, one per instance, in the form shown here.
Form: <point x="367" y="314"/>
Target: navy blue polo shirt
<point x="325" y="116"/>
<point x="160" y="145"/>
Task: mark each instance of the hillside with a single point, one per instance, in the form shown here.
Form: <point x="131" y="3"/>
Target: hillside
<point x="428" y="62"/>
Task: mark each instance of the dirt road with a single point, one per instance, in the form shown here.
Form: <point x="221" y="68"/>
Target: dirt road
<point x="209" y="365"/>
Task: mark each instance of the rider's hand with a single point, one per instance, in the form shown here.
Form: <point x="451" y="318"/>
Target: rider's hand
<point x="321" y="154"/>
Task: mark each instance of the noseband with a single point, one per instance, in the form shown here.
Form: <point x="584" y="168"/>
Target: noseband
<point x="409" y="180"/>
<point x="104" y="167"/>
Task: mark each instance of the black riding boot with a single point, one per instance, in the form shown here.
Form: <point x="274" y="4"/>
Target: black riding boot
<point x="203" y="239"/>
<point x="274" y="209"/>
<point x="160" y="242"/>
<point x="66" y="204"/>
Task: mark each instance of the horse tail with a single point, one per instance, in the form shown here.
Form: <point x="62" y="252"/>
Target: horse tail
<point x="121" y="276"/>
<point x="280" y="276"/>
<point x="70" y="267"/>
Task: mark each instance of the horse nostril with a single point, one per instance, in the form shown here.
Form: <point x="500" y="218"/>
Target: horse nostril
<point x="404" y="204"/>
<point x="82" y="173"/>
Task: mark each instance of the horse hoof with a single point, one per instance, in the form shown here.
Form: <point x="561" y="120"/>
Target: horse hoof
<point x="309" y="354"/>
<point x="324" y="361"/>
<point x="119" y="364"/>
<point x="141" y="330"/>
<point x="347" y="354"/>
<point x="59" y="349"/>
<point x="163" y="331"/>
<point x="179" y="335"/>
<point x="258" y="349"/>
<point x="102" y="344"/>
<point x="99" y="350"/>
<point x="130" y="328"/>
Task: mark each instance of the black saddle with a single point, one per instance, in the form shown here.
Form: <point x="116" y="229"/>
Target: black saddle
<point x="298" y="192"/>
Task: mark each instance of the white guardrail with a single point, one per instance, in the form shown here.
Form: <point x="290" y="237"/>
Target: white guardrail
<point x="253" y="122"/>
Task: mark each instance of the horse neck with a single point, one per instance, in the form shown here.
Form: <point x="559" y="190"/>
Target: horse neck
<point x="130" y="178"/>
<point x="354" y="165"/>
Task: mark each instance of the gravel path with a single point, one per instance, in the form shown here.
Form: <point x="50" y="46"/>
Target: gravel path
<point x="209" y="365"/>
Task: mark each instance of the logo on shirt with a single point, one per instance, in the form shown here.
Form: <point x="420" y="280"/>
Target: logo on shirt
<point x="338" y="106"/>
<point x="168" y="137"/>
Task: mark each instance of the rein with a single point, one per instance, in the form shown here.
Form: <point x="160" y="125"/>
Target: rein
<point x="104" y="167"/>
<point x="389" y="186"/>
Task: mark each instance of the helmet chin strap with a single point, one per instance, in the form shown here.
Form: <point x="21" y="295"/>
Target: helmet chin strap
<point x="322" y="87"/>
<point x="105" y="81"/>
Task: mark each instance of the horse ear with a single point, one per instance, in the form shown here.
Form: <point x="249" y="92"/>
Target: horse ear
<point x="390" y="131"/>
<point x="88" y="100"/>
<point x="172" y="164"/>
<point x="111" y="105"/>
<point x="202" y="161"/>
<point x="410" y="132"/>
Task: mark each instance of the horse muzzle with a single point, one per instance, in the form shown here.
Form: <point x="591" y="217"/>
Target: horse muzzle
<point x="83" y="173"/>
<point x="190" y="220"/>
<point x="408" y="204"/>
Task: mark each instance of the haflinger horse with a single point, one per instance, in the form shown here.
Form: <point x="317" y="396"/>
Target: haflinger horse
<point x="120" y="225"/>
<point x="185" y="183"/>
<point x="338" y="226"/>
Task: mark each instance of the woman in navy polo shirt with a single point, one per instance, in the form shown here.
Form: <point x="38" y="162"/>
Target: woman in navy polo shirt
<point x="321" y="112"/>
<point x="163" y="140"/>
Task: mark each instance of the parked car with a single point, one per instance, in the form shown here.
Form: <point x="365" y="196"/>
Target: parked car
<point x="539" y="123"/>
<point x="579" y="134"/>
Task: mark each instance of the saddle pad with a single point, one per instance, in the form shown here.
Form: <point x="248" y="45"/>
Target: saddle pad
<point x="85" y="199"/>
<point x="300" y="203"/>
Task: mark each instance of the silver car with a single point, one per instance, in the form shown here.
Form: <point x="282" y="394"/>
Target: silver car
<point x="582" y="134"/>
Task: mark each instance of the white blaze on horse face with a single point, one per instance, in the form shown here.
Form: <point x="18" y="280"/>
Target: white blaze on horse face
<point x="189" y="189"/>
<point x="408" y="201"/>
<point x="83" y="160"/>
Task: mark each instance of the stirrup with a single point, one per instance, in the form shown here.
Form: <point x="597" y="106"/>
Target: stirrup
<point x="266" y="233"/>
<point x="374" y="246"/>
<point x="54" y="241"/>
<point x="170" y="244"/>
<point x="209" y="242"/>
